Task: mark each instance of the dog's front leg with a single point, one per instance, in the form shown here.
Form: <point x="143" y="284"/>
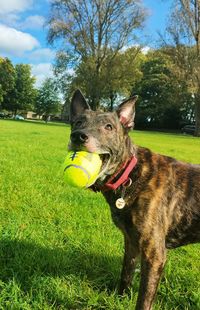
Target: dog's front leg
<point x="152" y="264"/>
<point x="130" y="255"/>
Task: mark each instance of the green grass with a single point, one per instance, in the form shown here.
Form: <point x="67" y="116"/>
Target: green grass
<point x="58" y="246"/>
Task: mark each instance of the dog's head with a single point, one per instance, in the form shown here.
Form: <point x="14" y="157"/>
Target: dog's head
<point x="104" y="133"/>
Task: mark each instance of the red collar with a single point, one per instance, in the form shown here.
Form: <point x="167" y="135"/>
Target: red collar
<point x="123" y="179"/>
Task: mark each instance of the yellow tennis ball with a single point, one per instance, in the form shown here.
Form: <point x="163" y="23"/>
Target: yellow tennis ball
<point x="81" y="169"/>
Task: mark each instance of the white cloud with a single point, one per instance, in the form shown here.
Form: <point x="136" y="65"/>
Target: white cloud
<point x="41" y="71"/>
<point x="11" y="15"/>
<point x="8" y="6"/>
<point x="42" y="54"/>
<point x="33" y="22"/>
<point x="146" y="49"/>
<point x="16" y="21"/>
<point x="16" y="42"/>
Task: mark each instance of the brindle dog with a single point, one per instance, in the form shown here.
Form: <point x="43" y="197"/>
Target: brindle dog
<point x="162" y="203"/>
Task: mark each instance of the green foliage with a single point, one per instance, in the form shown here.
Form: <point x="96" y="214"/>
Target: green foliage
<point x="121" y="74"/>
<point x="117" y="76"/>
<point x="1" y="94"/>
<point x="58" y="246"/>
<point x="162" y="101"/>
<point x="47" y="101"/>
<point x="17" y="91"/>
<point x="23" y="93"/>
<point x="7" y="78"/>
<point x="183" y="32"/>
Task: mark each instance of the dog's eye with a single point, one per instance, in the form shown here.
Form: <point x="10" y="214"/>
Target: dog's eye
<point x="109" y="127"/>
<point x="78" y="123"/>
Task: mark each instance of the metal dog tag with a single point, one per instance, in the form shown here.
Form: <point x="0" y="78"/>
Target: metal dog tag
<point x="120" y="203"/>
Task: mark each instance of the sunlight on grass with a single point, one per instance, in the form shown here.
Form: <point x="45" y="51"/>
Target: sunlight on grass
<point x="58" y="246"/>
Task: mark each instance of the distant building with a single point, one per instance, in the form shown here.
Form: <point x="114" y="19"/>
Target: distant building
<point x="31" y="115"/>
<point x="34" y="116"/>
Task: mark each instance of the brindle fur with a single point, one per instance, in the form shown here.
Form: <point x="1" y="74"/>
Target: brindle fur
<point x="162" y="208"/>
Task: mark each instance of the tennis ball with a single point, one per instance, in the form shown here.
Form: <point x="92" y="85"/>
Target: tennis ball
<point x="81" y="169"/>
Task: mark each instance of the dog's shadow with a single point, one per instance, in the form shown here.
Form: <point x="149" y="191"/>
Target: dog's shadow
<point x="24" y="261"/>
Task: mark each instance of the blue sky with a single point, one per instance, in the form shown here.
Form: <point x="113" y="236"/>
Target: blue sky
<point x="23" y="35"/>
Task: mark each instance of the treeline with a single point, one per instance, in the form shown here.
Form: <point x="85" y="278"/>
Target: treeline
<point x="97" y="52"/>
<point x="18" y="92"/>
<point x="165" y="98"/>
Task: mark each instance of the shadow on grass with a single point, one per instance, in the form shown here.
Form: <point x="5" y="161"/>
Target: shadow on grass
<point x="28" y="264"/>
<point x="25" y="261"/>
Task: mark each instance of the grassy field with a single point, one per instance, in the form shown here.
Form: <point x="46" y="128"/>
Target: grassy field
<point x="58" y="246"/>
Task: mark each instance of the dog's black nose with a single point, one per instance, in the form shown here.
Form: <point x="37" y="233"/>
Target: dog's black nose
<point x="78" y="137"/>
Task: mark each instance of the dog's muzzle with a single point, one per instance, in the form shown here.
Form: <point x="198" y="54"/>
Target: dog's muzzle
<point x="79" y="137"/>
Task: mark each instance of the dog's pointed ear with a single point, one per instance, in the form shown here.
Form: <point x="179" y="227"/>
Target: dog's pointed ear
<point x="126" y="112"/>
<point x="78" y="105"/>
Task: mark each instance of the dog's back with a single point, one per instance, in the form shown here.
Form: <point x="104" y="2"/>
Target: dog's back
<point x="165" y="194"/>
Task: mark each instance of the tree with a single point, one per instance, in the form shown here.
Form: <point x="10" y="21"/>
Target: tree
<point x="7" y="79"/>
<point x="117" y="76"/>
<point x="23" y="95"/>
<point x="47" y="101"/>
<point x="121" y="75"/>
<point x="161" y="100"/>
<point x="25" y="91"/>
<point x="184" y="30"/>
<point x="91" y="30"/>
<point x="1" y="95"/>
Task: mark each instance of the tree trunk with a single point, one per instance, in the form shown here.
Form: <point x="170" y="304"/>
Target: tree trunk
<point x="197" y="114"/>
<point x="111" y="102"/>
<point x="94" y="102"/>
<point x="197" y="39"/>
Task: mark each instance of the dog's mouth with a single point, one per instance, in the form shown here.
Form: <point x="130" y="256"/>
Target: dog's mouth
<point x="104" y="155"/>
<point x="105" y="158"/>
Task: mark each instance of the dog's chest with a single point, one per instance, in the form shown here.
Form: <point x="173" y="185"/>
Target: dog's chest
<point x="122" y="218"/>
